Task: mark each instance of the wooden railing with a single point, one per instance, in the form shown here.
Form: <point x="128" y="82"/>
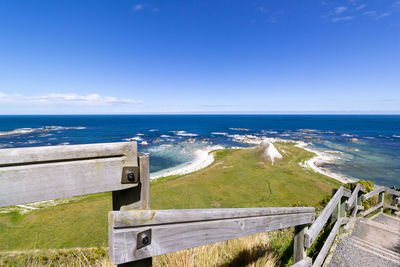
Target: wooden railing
<point x="137" y="233"/>
<point x="335" y="212"/>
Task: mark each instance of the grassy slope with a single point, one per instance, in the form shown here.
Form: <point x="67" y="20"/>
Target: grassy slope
<point x="236" y="179"/>
<point x="239" y="179"/>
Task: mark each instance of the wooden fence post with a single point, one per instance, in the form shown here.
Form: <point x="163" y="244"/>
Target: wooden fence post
<point x="299" y="251"/>
<point x="394" y="203"/>
<point x="136" y="198"/>
<point x="381" y="199"/>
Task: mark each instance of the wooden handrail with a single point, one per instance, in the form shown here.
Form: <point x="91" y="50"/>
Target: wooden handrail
<point x="323" y="217"/>
<point x="45" y="173"/>
<point x="136" y="234"/>
<point x="381" y="190"/>
<point x="327" y="245"/>
<point x="354" y="195"/>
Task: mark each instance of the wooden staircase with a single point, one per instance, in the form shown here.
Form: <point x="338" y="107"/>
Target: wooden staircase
<point x="373" y="242"/>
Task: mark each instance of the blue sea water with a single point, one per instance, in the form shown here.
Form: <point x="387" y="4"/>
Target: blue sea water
<point x="364" y="146"/>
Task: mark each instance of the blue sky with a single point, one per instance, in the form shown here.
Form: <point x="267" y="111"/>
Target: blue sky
<point x="298" y="56"/>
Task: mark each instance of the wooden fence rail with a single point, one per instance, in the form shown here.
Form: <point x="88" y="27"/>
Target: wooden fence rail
<point x="166" y="231"/>
<point x="137" y="233"/>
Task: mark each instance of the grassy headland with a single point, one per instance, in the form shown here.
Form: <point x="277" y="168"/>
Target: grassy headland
<point x="237" y="178"/>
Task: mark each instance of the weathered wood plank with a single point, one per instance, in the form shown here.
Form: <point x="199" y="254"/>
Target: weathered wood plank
<point x="373" y="193"/>
<point x="374" y="208"/>
<point x="47" y="173"/>
<point x="392" y="191"/>
<point x="144" y="167"/>
<point x="171" y="237"/>
<point x="390" y="207"/>
<point x="321" y="220"/>
<point x="327" y="245"/>
<point x="135" y="218"/>
<point x="47" y="181"/>
<point x="352" y="218"/>
<point x="306" y="262"/>
<point x="353" y="197"/>
<point x="299" y="251"/>
<point x="346" y="192"/>
<point x="135" y="197"/>
<point x="29" y="155"/>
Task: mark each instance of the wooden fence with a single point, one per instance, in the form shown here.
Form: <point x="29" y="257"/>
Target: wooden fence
<point x="137" y="233"/>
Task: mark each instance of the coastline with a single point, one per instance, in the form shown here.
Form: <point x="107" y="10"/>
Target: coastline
<point x="320" y="158"/>
<point x="203" y="158"/>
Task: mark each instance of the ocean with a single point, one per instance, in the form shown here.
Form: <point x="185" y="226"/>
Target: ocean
<point x="357" y="146"/>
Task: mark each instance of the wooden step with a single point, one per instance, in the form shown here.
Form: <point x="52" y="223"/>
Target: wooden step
<point x="388" y="220"/>
<point x="378" y="234"/>
<point x="376" y="249"/>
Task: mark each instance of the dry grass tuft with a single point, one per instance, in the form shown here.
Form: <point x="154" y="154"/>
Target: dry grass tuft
<point x="246" y="251"/>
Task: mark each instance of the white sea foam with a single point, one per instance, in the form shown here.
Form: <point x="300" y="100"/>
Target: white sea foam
<point x="63" y="144"/>
<point x="322" y="157"/>
<point x="153" y="130"/>
<point x="20" y="131"/>
<point x="396" y="136"/>
<point x="135" y="138"/>
<point x="165" y="136"/>
<point x="347" y="135"/>
<point x="239" y="129"/>
<point x="202" y="158"/>
<point x="219" y="133"/>
<point x="184" y="133"/>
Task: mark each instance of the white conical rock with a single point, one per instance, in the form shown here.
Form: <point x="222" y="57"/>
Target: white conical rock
<point x="269" y="152"/>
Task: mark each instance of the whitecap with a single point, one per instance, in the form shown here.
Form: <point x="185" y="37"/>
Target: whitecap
<point x="63" y="144"/>
<point x="396" y="136"/>
<point x="347" y="135"/>
<point x="135" y="138"/>
<point x="184" y="133"/>
<point x="219" y="133"/>
<point x="18" y="131"/>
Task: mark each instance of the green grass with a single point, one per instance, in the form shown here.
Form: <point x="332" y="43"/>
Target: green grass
<point x="237" y="178"/>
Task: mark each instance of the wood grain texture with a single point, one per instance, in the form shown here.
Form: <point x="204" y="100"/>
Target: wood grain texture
<point x="40" y="181"/>
<point x="373" y="193"/>
<point x="352" y="218"/>
<point x="392" y="191"/>
<point x="327" y="245"/>
<point x="177" y="236"/>
<point x="323" y="217"/>
<point x="346" y="192"/>
<point x="135" y="218"/>
<point x="299" y="251"/>
<point x="62" y="153"/>
<point x="303" y="263"/>
<point x="144" y="167"/>
<point x="390" y="207"/>
<point x="374" y="208"/>
<point x="351" y="201"/>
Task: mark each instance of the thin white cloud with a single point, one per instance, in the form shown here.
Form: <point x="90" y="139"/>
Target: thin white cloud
<point x="142" y="7"/>
<point x="370" y="13"/>
<point x="384" y="15"/>
<point x="65" y="99"/>
<point x="361" y="7"/>
<point x="138" y="7"/>
<point x="338" y="19"/>
<point x="340" y="9"/>
<point x="396" y="4"/>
